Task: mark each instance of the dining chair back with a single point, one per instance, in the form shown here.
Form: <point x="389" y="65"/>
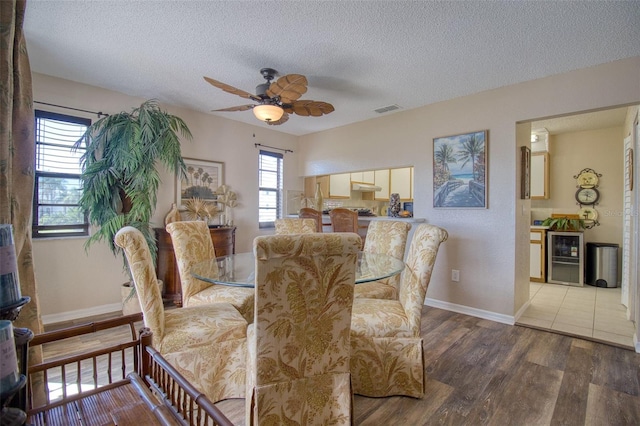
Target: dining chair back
<point x="298" y="345"/>
<point x="385" y="237"/>
<point x="386" y="333"/>
<point x="206" y="344"/>
<point x="344" y="220"/>
<point x="192" y="244"/>
<point x="309" y="213"/>
<point x="295" y="226"/>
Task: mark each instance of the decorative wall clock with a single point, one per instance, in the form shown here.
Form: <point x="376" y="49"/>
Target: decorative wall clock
<point x="587" y="196"/>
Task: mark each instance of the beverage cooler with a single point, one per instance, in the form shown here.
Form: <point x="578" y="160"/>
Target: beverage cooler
<point x="565" y="258"/>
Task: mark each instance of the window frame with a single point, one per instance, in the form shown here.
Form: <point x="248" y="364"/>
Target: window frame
<point x="66" y="230"/>
<point x="279" y="190"/>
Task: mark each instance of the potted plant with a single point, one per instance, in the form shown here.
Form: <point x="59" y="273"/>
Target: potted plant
<point x="119" y="170"/>
<point x="563" y="223"/>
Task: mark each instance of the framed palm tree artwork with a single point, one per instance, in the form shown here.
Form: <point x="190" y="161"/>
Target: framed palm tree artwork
<point x="460" y="170"/>
<point x="201" y="181"/>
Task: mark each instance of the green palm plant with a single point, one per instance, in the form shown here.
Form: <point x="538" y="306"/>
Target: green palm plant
<point x="120" y="178"/>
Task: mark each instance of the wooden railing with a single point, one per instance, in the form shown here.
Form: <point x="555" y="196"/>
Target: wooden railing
<point x="81" y="379"/>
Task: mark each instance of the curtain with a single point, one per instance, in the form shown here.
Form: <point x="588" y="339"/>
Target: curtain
<point x="17" y="155"/>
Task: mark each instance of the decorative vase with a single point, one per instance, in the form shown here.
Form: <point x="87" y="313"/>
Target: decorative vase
<point x="394" y="205"/>
<point x="319" y="198"/>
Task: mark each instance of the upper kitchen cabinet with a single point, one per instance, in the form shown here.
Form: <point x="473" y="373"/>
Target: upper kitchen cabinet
<point x="310" y="185"/>
<point x="363" y="177"/>
<point x="340" y="185"/>
<point x="401" y="182"/>
<point x="381" y="179"/>
<point x="540" y="176"/>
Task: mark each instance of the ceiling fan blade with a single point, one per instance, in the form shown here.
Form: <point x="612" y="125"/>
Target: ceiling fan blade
<point x="236" y="108"/>
<point x="283" y="119"/>
<point x="231" y="89"/>
<point x="289" y="87"/>
<point x="309" y="108"/>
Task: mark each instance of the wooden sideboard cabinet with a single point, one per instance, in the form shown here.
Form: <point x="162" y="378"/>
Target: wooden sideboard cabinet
<point x="224" y="241"/>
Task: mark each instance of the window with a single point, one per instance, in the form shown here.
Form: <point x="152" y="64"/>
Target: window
<point x="56" y="209"/>
<point x="270" y="188"/>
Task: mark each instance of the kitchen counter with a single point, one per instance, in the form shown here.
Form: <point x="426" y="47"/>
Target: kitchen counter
<point x="364" y="221"/>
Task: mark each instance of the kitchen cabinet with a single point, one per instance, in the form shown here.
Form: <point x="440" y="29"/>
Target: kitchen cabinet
<point x="381" y="179"/>
<point x="400" y="182"/>
<point x="537" y="253"/>
<point x="340" y="185"/>
<point x="224" y="243"/>
<point x="540" y="176"/>
<point x="310" y="185"/>
<point x="363" y="177"/>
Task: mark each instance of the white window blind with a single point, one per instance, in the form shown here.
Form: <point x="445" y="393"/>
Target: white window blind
<point x="58" y="183"/>
<point x="270" y="174"/>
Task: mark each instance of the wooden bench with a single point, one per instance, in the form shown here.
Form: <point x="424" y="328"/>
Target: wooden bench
<point x="124" y="383"/>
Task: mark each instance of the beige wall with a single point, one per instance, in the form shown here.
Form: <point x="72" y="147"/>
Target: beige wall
<point x="489" y="246"/>
<point x="73" y="283"/>
<point x="600" y="150"/>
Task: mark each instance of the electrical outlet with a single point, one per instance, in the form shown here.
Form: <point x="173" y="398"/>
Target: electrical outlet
<point x="455" y="275"/>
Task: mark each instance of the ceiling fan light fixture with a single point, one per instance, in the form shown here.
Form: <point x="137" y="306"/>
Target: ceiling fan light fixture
<point x="268" y="112"/>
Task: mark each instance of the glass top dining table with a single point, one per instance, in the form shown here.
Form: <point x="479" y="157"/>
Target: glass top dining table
<point x="239" y="269"/>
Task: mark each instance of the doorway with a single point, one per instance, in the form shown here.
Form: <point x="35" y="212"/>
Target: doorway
<point x="588" y="140"/>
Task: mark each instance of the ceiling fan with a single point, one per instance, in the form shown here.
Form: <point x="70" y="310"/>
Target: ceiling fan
<point x="278" y="99"/>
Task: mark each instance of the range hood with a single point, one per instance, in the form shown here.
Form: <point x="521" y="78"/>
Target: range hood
<point x="365" y="187"/>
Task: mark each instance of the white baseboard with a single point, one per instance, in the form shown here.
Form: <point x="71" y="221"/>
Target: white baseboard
<point x="81" y="313"/>
<point x="479" y="313"/>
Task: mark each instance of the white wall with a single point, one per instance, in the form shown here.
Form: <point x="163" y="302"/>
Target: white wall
<point x="73" y="283"/>
<point x="490" y="247"/>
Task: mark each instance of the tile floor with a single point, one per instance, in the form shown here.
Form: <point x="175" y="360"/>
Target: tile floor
<point x="587" y="311"/>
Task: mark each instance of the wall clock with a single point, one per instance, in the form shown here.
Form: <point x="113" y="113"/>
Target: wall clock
<point x="587" y="196"/>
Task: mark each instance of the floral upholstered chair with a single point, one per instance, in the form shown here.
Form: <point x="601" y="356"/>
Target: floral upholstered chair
<point x="386" y="237"/>
<point x="298" y="345"/>
<point x="295" y="226"/>
<point x="206" y="344"/>
<point x="192" y="244"/>
<point x="386" y="347"/>
<point x="309" y="213"/>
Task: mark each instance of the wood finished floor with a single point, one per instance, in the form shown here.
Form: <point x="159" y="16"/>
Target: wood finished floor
<point x="481" y="372"/>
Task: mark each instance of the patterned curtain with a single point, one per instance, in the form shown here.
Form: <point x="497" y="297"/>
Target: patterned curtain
<point x="17" y="154"/>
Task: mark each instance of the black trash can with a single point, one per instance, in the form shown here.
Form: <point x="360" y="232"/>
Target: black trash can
<point x="602" y="265"/>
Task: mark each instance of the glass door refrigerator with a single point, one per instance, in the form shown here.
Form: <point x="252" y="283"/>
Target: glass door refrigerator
<point x="565" y="261"/>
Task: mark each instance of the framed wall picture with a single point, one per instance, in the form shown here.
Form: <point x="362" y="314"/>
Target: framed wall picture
<point x="202" y="180"/>
<point x="525" y="173"/>
<point x="460" y="170"/>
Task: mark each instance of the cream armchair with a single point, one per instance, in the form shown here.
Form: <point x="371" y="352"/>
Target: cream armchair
<point x="386" y="348"/>
<point x="206" y="344"/>
<point x="386" y="237"/>
<point x="295" y="226"/>
<point x="298" y="344"/>
<point x="192" y="244"/>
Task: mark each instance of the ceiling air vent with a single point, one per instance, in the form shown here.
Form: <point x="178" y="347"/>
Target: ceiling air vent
<point x="387" y="109"/>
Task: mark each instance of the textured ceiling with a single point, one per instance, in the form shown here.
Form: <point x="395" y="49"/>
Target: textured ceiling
<point x="357" y="55"/>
